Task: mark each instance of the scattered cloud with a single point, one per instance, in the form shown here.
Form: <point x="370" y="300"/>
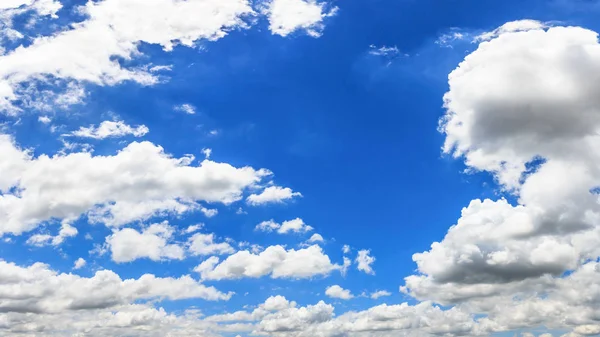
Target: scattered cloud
<point x="364" y="261"/>
<point x="295" y="226"/>
<point x="79" y="263"/>
<point x="338" y="292"/>
<point x="186" y="108"/>
<point x="110" y="129"/>
<point x="154" y="243"/>
<point x="272" y="194"/>
<point x="288" y="16"/>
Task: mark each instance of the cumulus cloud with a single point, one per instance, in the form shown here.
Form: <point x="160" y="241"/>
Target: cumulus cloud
<point x="379" y="294"/>
<point x="110" y="129"/>
<point x="153" y="242"/>
<point x="274" y="261"/>
<point x="288" y="16"/>
<point x="524" y="108"/>
<point x="138" y="182"/>
<point x="204" y="244"/>
<point x="42" y="290"/>
<point x="336" y="291"/>
<point x="272" y="194"/>
<point x="364" y="261"/>
<point x="66" y="231"/>
<point x="79" y="263"/>
<point x="113" y="29"/>
<point x="316" y="238"/>
<point x="295" y="226"/>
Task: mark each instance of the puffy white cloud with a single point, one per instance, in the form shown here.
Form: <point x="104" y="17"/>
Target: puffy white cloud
<point x="38" y="289"/>
<point x="79" y="263"/>
<point x="380" y="293"/>
<point x="193" y="228"/>
<point x="110" y="129"/>
<point x="44" y="119"/>
<point x="346" y="249"/>
<point x="274" y="261"/>
<point x="138" y="182"/>
<point x="316" y="238"/>
<point x="66" y="231"/>
<point x="364" y="261"/>
<point x="113" y="29"/>
<point x="204" y="244"/>
<point x="288" y="16"/>
<point x="336" y="291"/>
<point x="272" y="194"/>
<point x="524" y="107"/>
<point x="153" y="242"/>
<point x="296" y="226"/>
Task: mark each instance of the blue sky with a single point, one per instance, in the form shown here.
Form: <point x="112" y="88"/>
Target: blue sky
<point x="370" y="135"/>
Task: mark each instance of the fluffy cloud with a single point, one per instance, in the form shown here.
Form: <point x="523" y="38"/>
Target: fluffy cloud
<point x="288" y="16"/>
<point x="113" y="29"/>
<point x="66" y="231"/>
<point x="379" y="294"/>
<point x="38" y="289"/>
<point x="336" y="291"/>
<point x="316" y="238"/>
<point x="525" y="108"/>
<point x="138" y="182"/>
<point x="186" y="108"/>
<point x="296" y="226"/>
<point x="110" y="129"/>
<point x="204" y="244"/>
<point x="79" y="263"/>
<point x="364" y="261"/>
<point x="274" y="261"/>
<point x="127" y="244"/>
<point x="272" y="194"/>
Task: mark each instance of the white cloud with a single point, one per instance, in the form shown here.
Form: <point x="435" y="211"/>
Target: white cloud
<point x="138" y="182"/>
<point x="44" y="119"/>
<point x="316" y="238"/>
<point x="288" y="16"/>
<point x="204" y="244"/>
<point x="193" y="228"/>
<point x="79" y="263"/>
<point x="42" y="290"/>
<point x="364" y="262"/>
<point x="336" y="291"/>
<point x="186" y="108"/>
<point x="384" y="51"/>
<point x="274" y="261"/>
<point x="295" y="226"/>
<point x="511" y="27"/>
<point x="66" y="231"/>
<point x="346" y="249"/>
<point x="524" y="108"/>
<point x="153" y="242"/>
<point x="114" y="28"/>
<point x="110" y="129"/>
<point x="272" y="194"/>
<point x="379" y="294"/>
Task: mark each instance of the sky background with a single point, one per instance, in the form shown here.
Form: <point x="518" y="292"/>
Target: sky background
<point x="348" y="118"/>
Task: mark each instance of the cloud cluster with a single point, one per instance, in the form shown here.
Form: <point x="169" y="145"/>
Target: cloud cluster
<point x="138" y="182"/>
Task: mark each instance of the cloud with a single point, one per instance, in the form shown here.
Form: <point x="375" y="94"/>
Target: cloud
<point x="316" y="238"/>
<point x="364" y="261"/>
<point x="274" y="261"/>
<point x="40" y="240"/>
<point x="42" y="290"/>
<point x="110" y="129"/>
<point x="203" y="244"/>
<point x="272" y="194"/>
<point x="295" y="226"/>
<point x="288" y="16"/>
<point x="384" y="51"/>
<point x="336" y="291"/>
<point x="113" y="29"/>
<point x="79" y="263"/>
<point x="193" y="228"/>
<point x="138" y="182"/>
<point x="44" y="119"/>
<point x="186" y="108"/>
<point x="153" y="242"/>
<point x="522" y="107"/>
<point x="379" y="294"/>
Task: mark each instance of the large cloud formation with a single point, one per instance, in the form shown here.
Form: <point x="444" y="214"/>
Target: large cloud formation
<point x="525" y="107"/>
